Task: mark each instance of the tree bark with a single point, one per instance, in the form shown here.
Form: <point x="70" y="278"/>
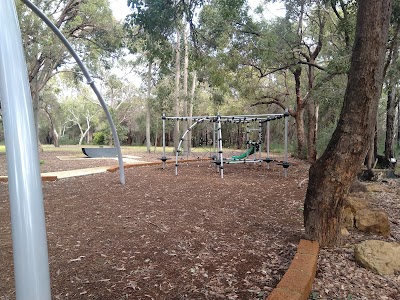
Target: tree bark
<point x="191" y="104"/>
<point x="313" y="106"/>
<point x="301" y="136"/>
<point x="390" y="120"/>
<point x="332" y="174"/>
<point x="391" y="101"/>
<point x="186" y="144"/>
<point x="177" y="92"/>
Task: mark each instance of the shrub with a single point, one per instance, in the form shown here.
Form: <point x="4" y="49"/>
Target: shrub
<point x="99" y="138"/>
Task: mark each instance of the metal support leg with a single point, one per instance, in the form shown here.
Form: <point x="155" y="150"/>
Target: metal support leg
<point x="286" y="163"/>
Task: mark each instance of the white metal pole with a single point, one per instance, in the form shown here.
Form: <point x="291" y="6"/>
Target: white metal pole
<point x="285" y="163"/>
<point x="163" y="158"/>
<point x="220" y="151"/>
<point x="259" y="141"/>
<point x="31" y="267"/>
<point x="268" y="159"/>
<point x="247" y="139"/>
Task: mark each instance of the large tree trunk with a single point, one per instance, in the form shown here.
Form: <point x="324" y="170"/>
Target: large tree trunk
<point x="398" y="123"/>
<point x="301" y="136"/>
<point x="177" y="92"/>
<point x="186" y="144"/>
<point x="390" y="119"/>
<point x="313" y="110"/>
<point x="191" y="104"/>
<point x="332" y="174"/>
<point x="313" y="106"/>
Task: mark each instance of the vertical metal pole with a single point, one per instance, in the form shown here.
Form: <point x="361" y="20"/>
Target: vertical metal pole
<point x="286" y="141"/>
<point x="220" y="151"/>
<point x="268" y="158"/>
<point x="247" y="138"/>
<point x="163" y="158"/>
<point x="215" y="147"/>
<point x="31" y="266"/>
<point x="259" y="141"/>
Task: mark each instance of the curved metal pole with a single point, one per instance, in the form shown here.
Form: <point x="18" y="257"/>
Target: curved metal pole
<point x="31" y="265"/>
<point x="180" y="143"/>
<point x="89" y="79"/>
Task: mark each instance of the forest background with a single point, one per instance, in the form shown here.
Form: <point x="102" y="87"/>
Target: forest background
<point x="200" y="57"/>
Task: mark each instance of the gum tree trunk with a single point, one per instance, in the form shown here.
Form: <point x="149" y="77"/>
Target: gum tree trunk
<point x="332" y="174"/>
<point x="177" y="89"/>
<point x="300" y="130"/>
<point x="390" y="119"/>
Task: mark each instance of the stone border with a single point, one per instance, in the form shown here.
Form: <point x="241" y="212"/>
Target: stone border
<point x="296" y="284"/>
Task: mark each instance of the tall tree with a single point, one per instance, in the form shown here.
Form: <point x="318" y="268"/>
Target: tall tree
<point x="88" y="25"/>
<point x="332" y="174"/>
<point x="392" y="73"/>
<point x="148" y="111"/>
<point x="177" y="87"/>
<point x="82" y="113"/>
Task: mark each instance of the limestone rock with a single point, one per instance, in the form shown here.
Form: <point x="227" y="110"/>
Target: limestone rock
<point x="347" y="218"/>
<point x="379" y="256"/>
<point x="352" y="204"/>
<point x="344" y="231"/>
<point x="358" y="187"/>
<point x="372" y="220"/>
<point x="358" y="214"/>
<point x="356" y="202"/>
<point x="377" y="188"/>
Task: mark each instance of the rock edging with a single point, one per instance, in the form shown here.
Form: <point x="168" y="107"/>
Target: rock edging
<point x="297" y="282"/>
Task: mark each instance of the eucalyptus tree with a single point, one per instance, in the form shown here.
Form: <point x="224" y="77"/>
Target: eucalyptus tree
<point x="81" y="112"/>
<point x="392" y="72"/>
<point x="51" y="109"/>
<point x="156" y="23"/>
<point x="281" y="62"/>
<point x="88" y="25"/>
<point x="312" y="41"/>
<point x="153" y="47"/>
<point x="167" y="21"/>
<point x="332" y="174"/>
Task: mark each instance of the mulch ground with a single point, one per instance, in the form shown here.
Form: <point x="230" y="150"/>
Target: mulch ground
<point x="161" y="236"/>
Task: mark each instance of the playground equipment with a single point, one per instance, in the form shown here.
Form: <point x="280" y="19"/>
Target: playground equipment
<point x="245" y="154"/>
<point x="253" y="147"/>
<point x="100" y="152"/>
<point x="31" y="266"/>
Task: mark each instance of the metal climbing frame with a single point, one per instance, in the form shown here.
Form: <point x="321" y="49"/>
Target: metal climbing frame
<point x="217" y="135"/>
<point x="180" y="143"/>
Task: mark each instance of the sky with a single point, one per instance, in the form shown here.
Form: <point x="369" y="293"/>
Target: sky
<point x="120" y="9"/>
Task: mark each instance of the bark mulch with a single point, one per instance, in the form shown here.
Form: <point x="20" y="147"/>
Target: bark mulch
<point x="161" y="236"/>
